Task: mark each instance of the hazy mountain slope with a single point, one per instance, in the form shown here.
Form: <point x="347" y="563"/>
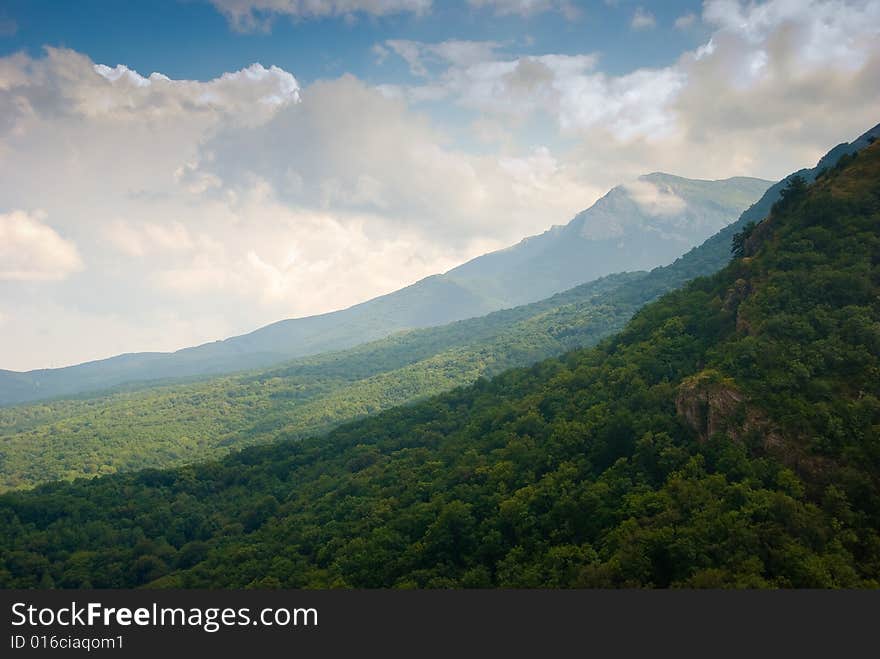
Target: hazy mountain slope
<point x="644" y="236"/>
<point x="175" y="424"/>
<point x="188" y="422"/>
<point x="423" y="304"/>
<point x="634" y="227"/>
<point x="726" y="438"/>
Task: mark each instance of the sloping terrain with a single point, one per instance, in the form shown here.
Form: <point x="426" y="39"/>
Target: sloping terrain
<point x="163" y="426"/>
<point x="645" y="235"/>
<point x="175" y="424"/>
<point x="727" y="437"/>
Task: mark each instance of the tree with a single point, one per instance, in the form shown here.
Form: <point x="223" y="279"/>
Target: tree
<point x="738" y="244"/>
<point x="795" y="189"/>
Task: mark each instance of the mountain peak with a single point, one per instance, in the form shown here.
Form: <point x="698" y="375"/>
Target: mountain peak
<point x="679" y="211"/>
<point x="649" y="223"/>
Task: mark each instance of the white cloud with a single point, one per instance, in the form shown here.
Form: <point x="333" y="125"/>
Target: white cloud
<point x="516" y="87"/>
<point x="418" y="55"/>
<point x="235" y="202"/>
<point x="149" y="237"/>
<point x="821" y="33"/>
<point x="655" y="199"/>
<point x="643" y="19"/>
<point x="565" y="87"/>
<point x="248" y="15"/>
<point x="410" y="52"/>
<point x="227" y="220"/>
<point x="685" y="21"/>
<point x="770" y="76"/>
<point x="400" y="171"/>
<point x="380" y="53"/>
<point x="128" y="92"/>
<point x="65" y="83"/>
<point x="30" y="250"/>
<point x="773" y="74"/>
<point x="637" y="105"/>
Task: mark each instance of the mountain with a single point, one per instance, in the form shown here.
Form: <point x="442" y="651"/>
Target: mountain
<point x="179" y="423"/>
<point x="634" y="227"/>
<point x="727" y="437"/>
<point x="638" y="226"/>
<point x="164" y="426"/>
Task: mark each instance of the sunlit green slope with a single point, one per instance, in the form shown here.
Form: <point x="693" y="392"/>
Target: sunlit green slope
<point x="728" y="436"/>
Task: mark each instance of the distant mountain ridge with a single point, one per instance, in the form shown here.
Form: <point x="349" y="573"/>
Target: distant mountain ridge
<point x="725" y="438"/>
<point x="125" y="430"/>
<point x="634" y="227"/>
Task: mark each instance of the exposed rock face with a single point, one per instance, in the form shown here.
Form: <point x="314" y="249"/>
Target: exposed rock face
<point x="742" y="323"/>
<point x="708" y="403"/>
<point x="761" y="233"/>
<point x="736" y="295"/>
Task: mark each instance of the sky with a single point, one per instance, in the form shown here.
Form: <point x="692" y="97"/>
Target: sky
<point x="176" y="172"/>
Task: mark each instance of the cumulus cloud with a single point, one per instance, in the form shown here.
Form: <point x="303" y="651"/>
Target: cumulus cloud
<point x="772" y="75"/>
<point x="67" y="84"/>
<point x="270" y="87"/>
<point x="400" y="171"/>
<point x="567" y="88"/>
<point x="110" y="155"/>
<point x="235" y="202"/>
<point x="821" y="33"/>
<point x="204" y="210"/>
<point x="249" y="15"/>
<point x="30" y="250"/>
<point x="760" y="91"/>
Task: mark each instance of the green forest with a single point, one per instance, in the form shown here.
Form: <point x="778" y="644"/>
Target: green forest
<point x="728" y="436"/>
<point x="174" y="424"/>
<point x="178" y="423"/>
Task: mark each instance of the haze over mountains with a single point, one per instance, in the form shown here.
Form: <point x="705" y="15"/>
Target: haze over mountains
<point x="185" y="422"/>
<point x="643" y="224"/>
<point x="429" y="295"/>
<point x="725" y="438"/>
<point x="636" y="226"/>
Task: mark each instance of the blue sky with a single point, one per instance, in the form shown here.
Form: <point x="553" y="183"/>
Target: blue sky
<point x="191" y="39"/>
<point x="292" y="157"/>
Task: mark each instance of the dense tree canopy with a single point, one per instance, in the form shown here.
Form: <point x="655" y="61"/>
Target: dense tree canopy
<point x="729" y="436"/>
<point x="178" y="423"/>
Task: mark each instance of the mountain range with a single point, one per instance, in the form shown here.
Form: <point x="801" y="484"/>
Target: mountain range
<point x="183" y="422"/>
<point x="725" y="438"/>
<point x="636" y="226"/>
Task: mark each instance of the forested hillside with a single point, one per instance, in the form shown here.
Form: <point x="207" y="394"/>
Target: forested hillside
<point x="728" y="436"/>
<point x="532" y="270"/>
<point x="180" y="423"/>
<point x="162" y="426"/>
